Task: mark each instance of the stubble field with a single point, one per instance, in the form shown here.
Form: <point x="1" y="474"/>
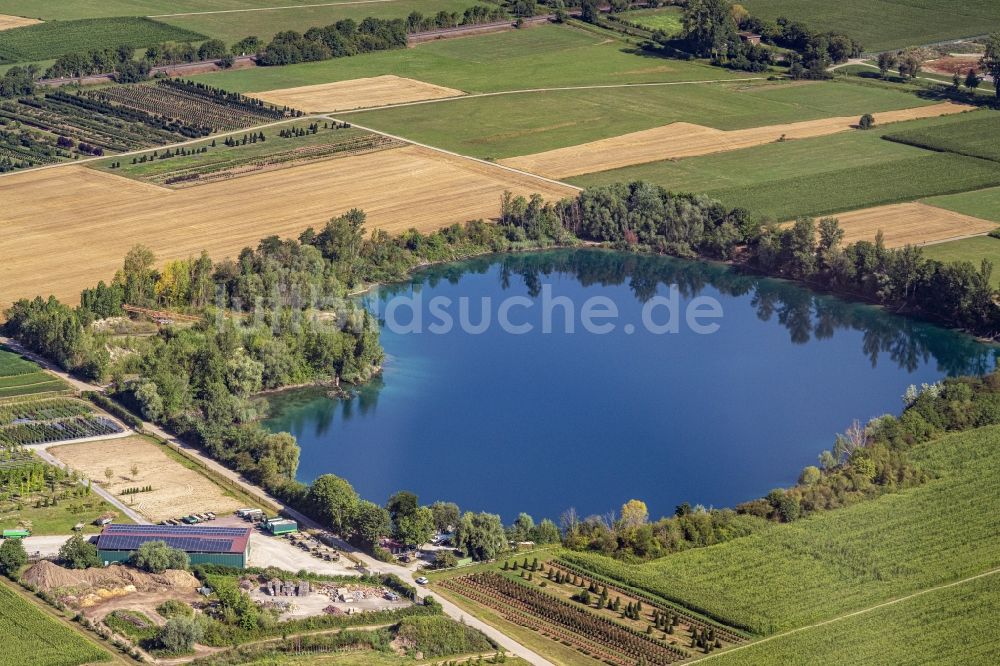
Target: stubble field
<point x="356" y="94"/>
<point x="177" y="490"/>
<point x="68" y="227"/>
<point x="910" y="224"/>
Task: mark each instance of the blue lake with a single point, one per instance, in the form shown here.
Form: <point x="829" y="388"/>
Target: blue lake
<point x="543" y="421"/>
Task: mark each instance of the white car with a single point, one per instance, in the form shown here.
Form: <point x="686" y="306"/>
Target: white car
<point x="422" y="580"/>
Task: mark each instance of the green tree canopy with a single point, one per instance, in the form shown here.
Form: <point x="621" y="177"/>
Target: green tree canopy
<point x="157" y="557"/>
<point x="12" y="556"/>
<point x="78" y="553"/>
<point x="333" y="501"/>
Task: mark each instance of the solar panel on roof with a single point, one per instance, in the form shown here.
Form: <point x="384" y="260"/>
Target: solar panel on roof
<point x="189" y="544"/>
<point x="178" y="529"/>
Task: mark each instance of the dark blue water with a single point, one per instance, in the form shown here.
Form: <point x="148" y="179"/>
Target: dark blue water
<point x="541" y="422"/>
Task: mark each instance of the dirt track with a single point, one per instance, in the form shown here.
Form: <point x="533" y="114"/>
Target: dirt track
<point x="679" y="140"/>
<point x="356" y="94"/>
<point x="910" y="224"/>
<point x="66" y="228"/>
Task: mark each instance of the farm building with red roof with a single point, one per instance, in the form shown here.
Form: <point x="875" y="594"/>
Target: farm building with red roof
<point x="228" y="546"/>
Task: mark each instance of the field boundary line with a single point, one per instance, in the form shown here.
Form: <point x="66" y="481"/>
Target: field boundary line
<point x="268" y="9"/>
<point x="523" y="91"/>
<point x="863" y="611"/>
<point x="495" y="165"/>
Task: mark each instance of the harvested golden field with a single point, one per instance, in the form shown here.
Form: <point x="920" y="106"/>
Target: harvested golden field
<point x="65" y="228"/>
<point x="356" y="94"/>
<point x="7" y="21"/>
<point x="177" y="490"/>
<point x="910" y="224"/>
<point x="678" y="140"/>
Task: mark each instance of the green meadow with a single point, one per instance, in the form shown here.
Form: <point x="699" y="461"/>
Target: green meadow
<point x="982" y="203"/>
<point x="541" y="56"/>
<point x="973" y="250"/>
<point x="50" y="40"/>
<point x="520" y="124"/>
<point x="232" y="27"/>
<point x="881" y="25"/>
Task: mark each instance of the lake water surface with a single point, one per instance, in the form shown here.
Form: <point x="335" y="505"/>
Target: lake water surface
<point x="540" y="422"/>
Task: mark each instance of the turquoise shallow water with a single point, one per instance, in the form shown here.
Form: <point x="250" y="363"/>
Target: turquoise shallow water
<point x="541" y="422"/>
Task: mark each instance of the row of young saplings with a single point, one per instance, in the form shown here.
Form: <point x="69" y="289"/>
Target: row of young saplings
<point x="586" y="631"/>
<point x="724" y="633"/>
<point x="45" y="432"/>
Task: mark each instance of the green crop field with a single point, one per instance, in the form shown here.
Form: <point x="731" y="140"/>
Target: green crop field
<point x="978" y="137"/>
<point x="874" y="185"/>
<point x="19" y="376"/>
<point x="29" y="637"/>
<point x="232" y="27"/>
<point x="980" y="203"/>
<point x="973" y="250"/>
<point x="541" y="56"/>
<point x="50" y="40"/>
<point x="957" y="624"/>
<point x="520" y="124"/>
<point x="667" y="19"/>
<point x="820" y="175"/>
<point x="761" y="164"/>
<point x="888" y="24"/>
<point x="833" y="563"/>
<point x="78" y="9"/>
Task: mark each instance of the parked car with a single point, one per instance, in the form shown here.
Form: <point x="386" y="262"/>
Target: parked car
<point x="422" y="580"/>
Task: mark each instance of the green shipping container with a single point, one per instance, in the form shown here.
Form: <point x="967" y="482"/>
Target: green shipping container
<point x="277" y="527"/>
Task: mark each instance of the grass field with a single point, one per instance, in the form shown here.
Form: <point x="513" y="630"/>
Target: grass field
<point x="980" y="203"/>
<point x="521" y="124"/>
<point x="887" y="24"/>
<point x="978" y="137"/>
<point x="667" y="19"/>
<point x="973" y="250"/>
<point x="399" y="189"/>
<point x="863" y="187"/>
<point x="232" y="27"/>
<point x="793" y="575"/>
<point x="754" y="166"/>
<point x="78" y="9"/>
<point x="958" y="624"/>
<point x="50" y="40"/>
<point x="541" y="56"/>
<point x="30" y="637"/>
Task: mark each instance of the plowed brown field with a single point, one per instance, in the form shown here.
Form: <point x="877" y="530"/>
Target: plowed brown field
<point x="356" y="94"/>
<point x="678" y="140"/>
<point x="65" y="228"/>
